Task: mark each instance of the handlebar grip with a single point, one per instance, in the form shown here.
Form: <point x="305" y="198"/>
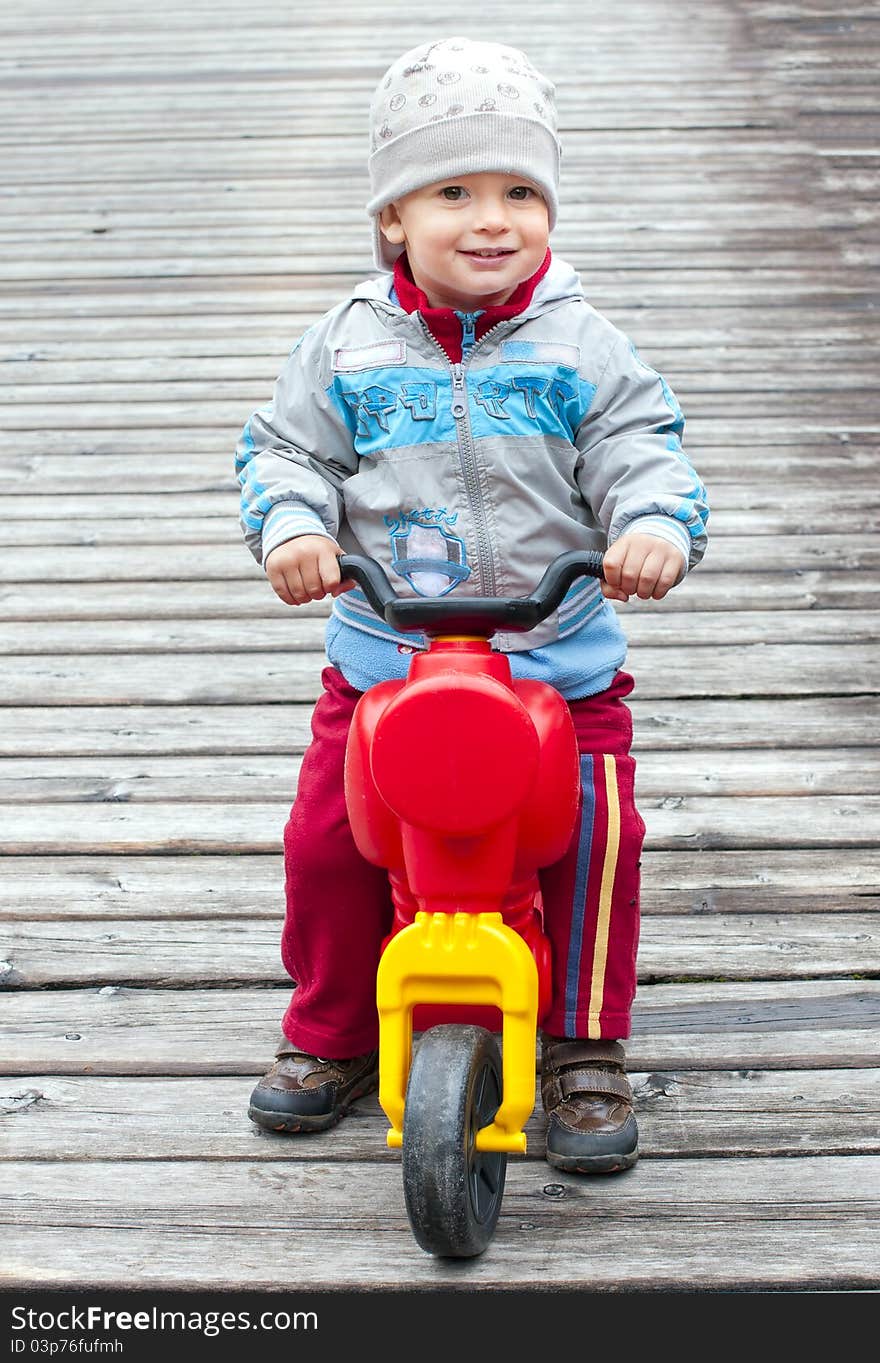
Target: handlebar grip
<point x="370" y="577"/>
<point x="562" y="572"/>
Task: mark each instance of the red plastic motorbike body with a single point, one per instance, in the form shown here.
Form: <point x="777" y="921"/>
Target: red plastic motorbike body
<point x="462" y="783"/>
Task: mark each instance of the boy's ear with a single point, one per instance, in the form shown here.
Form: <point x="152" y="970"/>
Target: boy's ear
<point x="392" y="227"/>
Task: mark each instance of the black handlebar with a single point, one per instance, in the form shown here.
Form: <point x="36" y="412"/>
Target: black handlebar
<point x="483" y="615"/>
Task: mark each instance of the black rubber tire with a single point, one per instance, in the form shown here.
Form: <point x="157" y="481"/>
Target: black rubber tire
<point x="453" y="1192"/>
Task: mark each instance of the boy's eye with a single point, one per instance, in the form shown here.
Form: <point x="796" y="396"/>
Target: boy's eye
<point x="521" y="192"/>
<point x="453" y="192"/>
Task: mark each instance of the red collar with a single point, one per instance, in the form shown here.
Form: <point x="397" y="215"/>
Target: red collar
<point x="443" y="323"/>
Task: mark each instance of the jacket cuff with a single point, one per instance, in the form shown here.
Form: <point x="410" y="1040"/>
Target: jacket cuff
<point x="285" y="521"/>
<point x="665" y="528"/>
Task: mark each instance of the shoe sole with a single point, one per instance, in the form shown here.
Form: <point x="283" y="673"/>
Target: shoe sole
<point x="592" y="1164"/>
<point x="293" y="1124"/>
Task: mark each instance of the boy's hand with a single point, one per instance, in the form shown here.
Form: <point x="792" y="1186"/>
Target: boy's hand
<point x="640" y="565"/>
<point x="306" y="569"/>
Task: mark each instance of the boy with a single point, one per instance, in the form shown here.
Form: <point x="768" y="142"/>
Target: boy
<point x="464" y="419"/>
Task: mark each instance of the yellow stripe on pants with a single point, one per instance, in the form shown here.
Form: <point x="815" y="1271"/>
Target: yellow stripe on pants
<point x="603" y="924"/>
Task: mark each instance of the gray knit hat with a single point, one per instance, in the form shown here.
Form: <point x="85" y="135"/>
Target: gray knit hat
<point x="459" y="107"/>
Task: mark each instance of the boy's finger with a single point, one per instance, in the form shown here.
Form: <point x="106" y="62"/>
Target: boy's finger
<point x="278" y="584"/>
<point x="611" y="560"/>
<point x="287" y="585"/>
<point x="613" y="593"/>
<point x="630" y="572"/>
<point x="649" y="574"/>
<point x="612" y="567"/>
<point x="330" y="575"/>
<point x="328" y="566"/>
<point x="310" y="575"/>
<point x="298" y="588"/>
<point x="669" y="576"/>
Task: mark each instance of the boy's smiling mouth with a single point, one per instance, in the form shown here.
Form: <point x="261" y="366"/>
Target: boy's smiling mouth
<point x="490" y="252"/>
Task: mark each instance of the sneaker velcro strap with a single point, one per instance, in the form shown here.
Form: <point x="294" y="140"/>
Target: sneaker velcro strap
<point x="559" y="1053"/>
<point x="595" y="1081"/>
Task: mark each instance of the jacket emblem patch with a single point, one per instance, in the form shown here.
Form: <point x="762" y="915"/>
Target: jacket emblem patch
<point x="540" y="352"/>
<point x="377" y="355"/>
<point x="426" y="553"/>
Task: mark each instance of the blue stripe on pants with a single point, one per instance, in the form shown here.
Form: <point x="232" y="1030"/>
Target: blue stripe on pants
<point x="579" y="898"/>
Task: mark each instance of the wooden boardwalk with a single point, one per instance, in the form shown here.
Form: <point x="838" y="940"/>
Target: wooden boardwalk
<point x="181" y="194"/>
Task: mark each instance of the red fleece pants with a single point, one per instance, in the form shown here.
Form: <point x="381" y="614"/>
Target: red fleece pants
<point x="339" y="905"/>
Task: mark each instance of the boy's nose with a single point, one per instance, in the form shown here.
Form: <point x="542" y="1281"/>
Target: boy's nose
<point x="492" y="216"/>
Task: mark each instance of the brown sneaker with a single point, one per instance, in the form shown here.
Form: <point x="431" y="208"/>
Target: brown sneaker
<point x="302" y="1092"/>
<point x="588" y="1099"/>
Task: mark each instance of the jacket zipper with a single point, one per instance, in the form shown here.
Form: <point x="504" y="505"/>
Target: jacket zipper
<point x="470" y="468"/>
<point x="468" y="332"/>
<point x="461" y="413"/>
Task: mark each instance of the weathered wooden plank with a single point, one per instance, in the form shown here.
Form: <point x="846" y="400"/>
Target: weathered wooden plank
<point x="844" y="47"/>
<point x="91" y="45"/>
<point x="712" y="1223"/>
<point x="68" y="223"/>
<point x="126" y="517"/>
<point x="780" y="1024"/>
<point x="91" y="49"/>
<point x="236" y="61"/>
<point x="813" y="590"/>
<point x="253" y="600"/>
<point x="198" y="305"/>
<point x="680" y="1113"/>
<point x="758" y="155"/>
<point x="857" y="512"/>
<point x="228" y="678"/>
<point x="287" y="631"/>
<point x="208" y="952"/>
<point x="226" y="84"/>
<point x="781" y="881"/>
<point x="115" y="224"/>
<point x="53" y="457"/>
<point x="757" y="159"/>
<point x="703" y="384"/>
<point x="761" y="554"/>
<point x="244" y="777"/>
<point x="284" y="629"/>
<point x="611" y="288"/>
<point x="197" y="953"/>
<point x="183" y="887"/>
<point x="72" y="370"/>
<point x="688" y="247"/>
<point x="102" y="347"/>
<point x="675" y="821"/>
<point x="101" y="121"/>
<point x="763" y="149"/>
<point x="109" y="337"/>
<point x="326" y="277"/>
<point x="166" y="408"/>
<point x="283" y="728"/>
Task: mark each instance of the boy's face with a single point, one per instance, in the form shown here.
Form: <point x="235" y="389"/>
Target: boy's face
<point x="470" y="241"/>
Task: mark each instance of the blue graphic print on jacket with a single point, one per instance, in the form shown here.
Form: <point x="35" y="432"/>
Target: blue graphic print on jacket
<point x="408" y="406"/>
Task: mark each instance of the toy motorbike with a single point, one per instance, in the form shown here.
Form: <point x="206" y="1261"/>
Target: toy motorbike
<point x="462" y="782"/>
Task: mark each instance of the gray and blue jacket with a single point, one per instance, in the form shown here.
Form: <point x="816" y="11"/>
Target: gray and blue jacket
<point x="551" y="434"/>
